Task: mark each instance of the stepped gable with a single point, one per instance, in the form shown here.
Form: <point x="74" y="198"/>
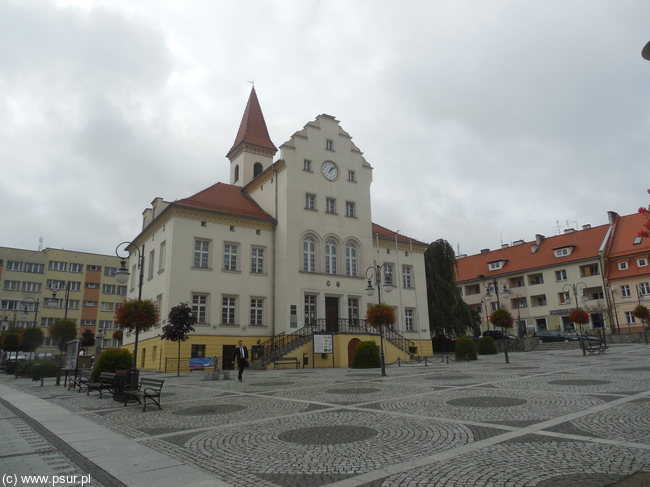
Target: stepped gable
<point x="586" y="244"/>
<point x="225" y="198"/>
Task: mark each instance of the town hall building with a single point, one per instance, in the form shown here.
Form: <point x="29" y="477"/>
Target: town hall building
<point x="287" y="248"/>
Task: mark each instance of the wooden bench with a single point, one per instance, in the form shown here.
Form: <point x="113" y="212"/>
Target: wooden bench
<point x="105" y="383"/>
<point x="594" y="348"/>
<point x="82" y="378"/>
<point x="286" y="360"/>
<point x="149" y="389"/>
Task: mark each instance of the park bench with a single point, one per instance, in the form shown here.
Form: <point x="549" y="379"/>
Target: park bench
<point x="286" y="360"/>
<point x="595" y="348"/>
<point x="104" y="383"/>
<point x="83" y="377"/>
<point x="148" y="390"/>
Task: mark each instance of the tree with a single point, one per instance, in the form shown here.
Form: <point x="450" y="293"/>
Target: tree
<point x="502" y="317"/>
<point x="87" y="338"/>
<point x="447" y="310"/>
<point x="61" y="332"/>
<point x="642" y="313"/>
<point x="10" y="341"/>
<point x="179" y="325"/>
<point x="32" y="338"/>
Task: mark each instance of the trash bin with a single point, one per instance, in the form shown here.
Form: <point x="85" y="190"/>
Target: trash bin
<point x="124" y="379"/>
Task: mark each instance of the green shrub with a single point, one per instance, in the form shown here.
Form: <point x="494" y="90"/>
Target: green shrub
<point x="49" y="368"/>
<point x="366" y="356"/>
<point x="465" y="349"/>
<point x="112" y="360"/>
<point x="487" y="346"/>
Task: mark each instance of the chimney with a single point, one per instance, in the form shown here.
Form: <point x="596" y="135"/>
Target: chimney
<point x="518" y="242"/>
<point x="612" y="216"/>
<point x="569" y="230"/>
<point x="485" y="251"/>
<point x="586" y="227"/>
<point x="539" y="239"/>
<point x="505" y="246"/>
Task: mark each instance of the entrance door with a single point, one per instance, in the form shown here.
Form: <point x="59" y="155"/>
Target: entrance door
<point x="352" y="347"/>
<point x="332" y="314"/>
<point x="228" y="357"/>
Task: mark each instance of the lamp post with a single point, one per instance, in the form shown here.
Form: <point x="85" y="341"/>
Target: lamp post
<point x="374" y="273"/>
<point x="519" y="332"/>
<point x="122" y="276"/>
<point x="575" y="288"/>
<point x="35" y="303"/>
<point x="494" y="283"/>
<point x="66" y="296"/>
<point x="5" y="317"/>
<point x="611" y="293"/>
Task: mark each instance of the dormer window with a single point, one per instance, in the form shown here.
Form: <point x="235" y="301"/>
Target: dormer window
<point x="496" y="265"/>
<point x="643" y="262"/>
<point x="563" y="251"/>
<point x="623" y="266"/>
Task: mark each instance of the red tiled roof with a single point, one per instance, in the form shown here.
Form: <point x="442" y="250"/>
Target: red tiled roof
<point x="520" y="257"/>
<point x="385" y="233"/>
<point x="622" y="248"/>
<point x="252" y="129"/>
<point x="225" y="198"/>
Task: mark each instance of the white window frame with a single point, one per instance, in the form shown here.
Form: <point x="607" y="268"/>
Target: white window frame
<point x="642" y="262"/>
<point x="409" y="319"/>
<point x="350" y="209"/>
<point x="306" y="165"/>
<point x="228" y="310"/>
<point x="353" y="311"/>
<point x="407" y="276"/>
<point x="230" y="256"/>
<point x="310" y="201"/>
<point x="331" y="256"/>
<point x="201" y="254"/>
<point x="351" y="259"/>
<point x="352" y="177"/>
<point x="330" y="205"/>
<point x="200" y="308"/>
<point x="309" y="254"/>
<point x="623" y="266"/>
<point x="625" y="291"/>
<point x="76" y="267"/>
<point x="310" y="307"/>
<point x="630" y="319"/>
<point x="257" y="260"/>
<point x="561" y="275"/>
<point x="57" y="265"/>
<point x="257" y="312"/>
<point x="161" y="256"/>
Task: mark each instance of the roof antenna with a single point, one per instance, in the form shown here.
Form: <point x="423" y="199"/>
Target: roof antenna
<point x="40" y="243"/>
<point x="252" y="82"/>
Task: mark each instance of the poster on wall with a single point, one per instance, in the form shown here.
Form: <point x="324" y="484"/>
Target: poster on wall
<point x="71" y="353"/>
<point x="323" y="342"/>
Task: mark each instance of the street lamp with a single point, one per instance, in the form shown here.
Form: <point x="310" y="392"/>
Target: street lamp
<point x="34" y="303"/>
<point x="575" y="288"/>
<point x="122" y="276"/>
<point x="618" y="325"/>
<point x="53" y="301"/>
<point x="494" y="283"/>
<point x="374" y="273"/>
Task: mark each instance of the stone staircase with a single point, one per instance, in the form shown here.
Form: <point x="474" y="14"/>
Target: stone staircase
<point x="281" y="345"/>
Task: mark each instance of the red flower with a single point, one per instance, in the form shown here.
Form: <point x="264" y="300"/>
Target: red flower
<point x="579" y="316"/>
<point x="380" y="314"/>
<point x="136" y="314"/>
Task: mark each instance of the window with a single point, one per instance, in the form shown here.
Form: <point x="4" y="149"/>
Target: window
<point x="257" y="260"/>
<point x="644" y="288"/>
<point x="563" y="252"/>
<point x="76" y="267"/>
<point x="625" y="291"/>
<point x="589" y="270"/>
<point x="110" y="271"/>
<point x="257" y="169"/>
<point x="121" y="290"/>
<point x="564" y="297"/>
<point x="629" y="317"/>
<point x="55" y="284"/>
<point x="330" y="257"/>
<point x="32" y="287"/>
<point x="90" y="304"/>
<point x="45" y="322"/>
<point x="496" y="265"/>
<point x="310" y="309"/>
<point x="539" y="300"/>
<point x="407" y="276"/>
<point x="55" y="265"/>
<point x="109" y="288"/>
<point x="201" y="253"/>
<point x="622" y="266"/>
<point x="388" y="273"/>
<point x="350" y="259"/>
<point x="642" y="262"/>
<point x="197" y="351"/>
<point x="161" y="256"/>
<point x="329" y="144"/>
<point x="535" y="279"/>
<point x="13" y="265"/>
<point x="306" y="165"/>
<point x="637" y="240"/>
<point x="228" y="308"/>
<point x="257" y="308"/>
<point x="106" y="306"/>
<point x="352" y="177"/>
<point x="353" y="311"/>
<point x="92" y="285"/>
<point x="12" y="285"/>
<point x="94" y="267"/>
<point x="310" y="201"/>
<point x="560" y="275"/>
<point x="309" y="255"/>
<point x="236" y="178"/>
<point x="200" y="307"/>
<point x="72" y="304"/>
<point x="88" y="322"/>
<point x="409" y="322"/>
<point x="330" y="205"/>
<point x="75" y="285"/>
<point x="230" y="257"/>
<point x="350" y="209"/>
<point x="152" y="256"/>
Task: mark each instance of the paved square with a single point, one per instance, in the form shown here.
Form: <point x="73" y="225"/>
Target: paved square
<point x="550" y="418"/>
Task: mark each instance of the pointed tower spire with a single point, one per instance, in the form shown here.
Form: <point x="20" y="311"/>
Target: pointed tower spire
<point x="252" y="134"/>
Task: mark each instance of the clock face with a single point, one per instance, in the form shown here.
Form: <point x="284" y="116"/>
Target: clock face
<point x="330" y="171"/>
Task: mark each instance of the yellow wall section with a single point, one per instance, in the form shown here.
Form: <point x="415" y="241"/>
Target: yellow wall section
<point x="156" y="351"/>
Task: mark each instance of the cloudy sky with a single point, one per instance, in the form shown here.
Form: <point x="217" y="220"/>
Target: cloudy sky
<point x="486" y="121"/>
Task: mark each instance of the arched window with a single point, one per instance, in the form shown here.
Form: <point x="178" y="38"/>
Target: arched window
<point x="257" y="169"/>
<point x="236" y="173"/>
<point x="330" y="257"/>
<point x="350" y="259"/>
<point x="309" y="255"/>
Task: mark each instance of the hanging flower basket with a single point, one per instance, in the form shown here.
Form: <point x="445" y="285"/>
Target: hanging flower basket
<point x="579" y="316"/>
<point x="502" y="318"/>
<point x="380" y="314"/>
<point x="641" y="312"/>
<point x="137" y="315"/>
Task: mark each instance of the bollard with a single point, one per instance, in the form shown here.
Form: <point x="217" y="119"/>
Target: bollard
<point x="447" y="359"/>
<point x="442" y="359"/>
<point x="425" y="362"/>
<point x="399" y="362"/>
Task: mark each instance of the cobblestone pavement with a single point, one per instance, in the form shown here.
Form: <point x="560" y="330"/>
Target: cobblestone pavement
<point x="548" y="419"/>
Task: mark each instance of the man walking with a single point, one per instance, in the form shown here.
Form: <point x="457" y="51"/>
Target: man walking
<point x="241" y="355"/>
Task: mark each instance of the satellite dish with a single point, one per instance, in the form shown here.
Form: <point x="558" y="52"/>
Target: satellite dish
<point x="646" y="52"/>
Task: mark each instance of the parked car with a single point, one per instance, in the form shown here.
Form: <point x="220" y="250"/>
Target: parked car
<point x="554" y="336"/>
<point x="498" y="335"/>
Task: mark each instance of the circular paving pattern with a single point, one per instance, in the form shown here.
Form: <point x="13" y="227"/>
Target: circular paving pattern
<point x="450" y="377"/>
<point x="579" y="382"/>
<point x="634" y="369"/>
<point x="208" y="409"/>
<point x="327" y="435"/>
<point x="271" y="383"/>
<point x="487" y="402"/>
<point x="352" y="391"/>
